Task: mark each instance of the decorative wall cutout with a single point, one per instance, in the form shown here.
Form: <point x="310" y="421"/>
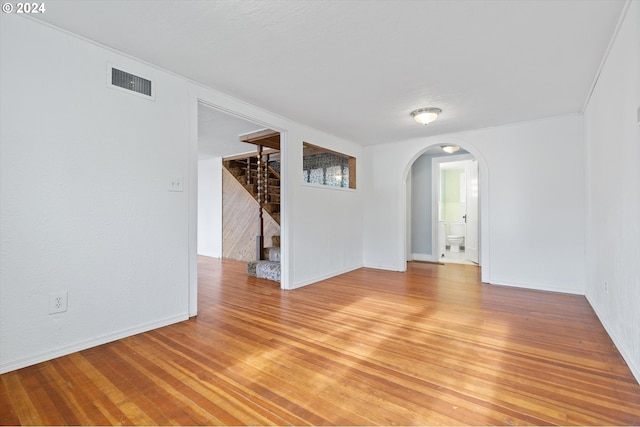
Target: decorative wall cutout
<point x="326" y="167"/>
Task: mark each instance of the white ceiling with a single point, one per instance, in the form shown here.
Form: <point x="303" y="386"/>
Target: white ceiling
<point x="218" y="133"/>
<point x="356" y="68"/>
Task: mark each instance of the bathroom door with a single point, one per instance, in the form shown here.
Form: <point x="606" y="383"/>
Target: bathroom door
<point x="471" y="241"/>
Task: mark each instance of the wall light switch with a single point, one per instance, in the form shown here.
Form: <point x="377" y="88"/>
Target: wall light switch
<point x="176" y="184"/>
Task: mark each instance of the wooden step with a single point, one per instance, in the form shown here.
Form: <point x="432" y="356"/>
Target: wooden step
<point x="237" y="172"/>
<point x="272" y="208"/>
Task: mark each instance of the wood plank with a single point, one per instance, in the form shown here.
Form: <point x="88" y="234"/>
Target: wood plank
<point x="432" y="346"/>
<point x="352" y="172"/>
<point x="270" y="151"/>
<point x="9" y="410"/>
<point x="19" y="404"/>
<point x="267" y="137"/>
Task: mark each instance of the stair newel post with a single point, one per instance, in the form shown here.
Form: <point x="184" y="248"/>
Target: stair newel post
<point x="261" y="196"/>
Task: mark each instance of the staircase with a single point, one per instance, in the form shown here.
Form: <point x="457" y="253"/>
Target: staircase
<point x="259" y="175"/>
<point x="269" y="268"/>
<point x="245" y="170"/>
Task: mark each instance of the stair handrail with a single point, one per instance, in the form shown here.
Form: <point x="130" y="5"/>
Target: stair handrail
<point x="273" y="171"/>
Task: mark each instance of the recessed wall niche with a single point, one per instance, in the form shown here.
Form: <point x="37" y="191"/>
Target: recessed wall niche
<point x="326" y="167"/>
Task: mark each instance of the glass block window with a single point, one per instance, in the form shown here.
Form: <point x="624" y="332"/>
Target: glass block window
<point x="327" y="167"/>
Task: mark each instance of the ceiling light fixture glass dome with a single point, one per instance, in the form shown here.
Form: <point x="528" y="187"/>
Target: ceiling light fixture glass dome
<point x="450" y="148"/>
<point x="425" y="115"/>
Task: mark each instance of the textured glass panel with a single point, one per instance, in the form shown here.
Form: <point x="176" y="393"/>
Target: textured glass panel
<point x="316" y="176"/>
<point x="326" y="167"/>
<point x="333" y="176"/>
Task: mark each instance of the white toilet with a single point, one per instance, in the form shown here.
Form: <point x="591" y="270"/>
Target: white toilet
<point x="455" y="238"/>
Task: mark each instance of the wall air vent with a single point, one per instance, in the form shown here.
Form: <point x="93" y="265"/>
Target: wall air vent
<point x="119" y="79"/>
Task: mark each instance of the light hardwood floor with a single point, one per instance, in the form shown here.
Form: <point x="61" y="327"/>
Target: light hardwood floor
<point x="432" y="346"/>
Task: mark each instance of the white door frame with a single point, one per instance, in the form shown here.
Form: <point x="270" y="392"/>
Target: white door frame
<point x="192" y="222"/>
<point x="472" y="239"/>
<point x="435" y="195"/>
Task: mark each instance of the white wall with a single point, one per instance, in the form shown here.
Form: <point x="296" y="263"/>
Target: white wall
<point x="613" y="164"/>
<point x="420" y="208"/>
<point x="532" y="199"/>
<point x="321" y="227"/>
<point x="85" y="206"/>
<point x="326" y="222"/>
<point x="210" y="207"/>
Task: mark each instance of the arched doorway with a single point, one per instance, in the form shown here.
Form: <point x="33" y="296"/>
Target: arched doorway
<point x="408" y="208"/>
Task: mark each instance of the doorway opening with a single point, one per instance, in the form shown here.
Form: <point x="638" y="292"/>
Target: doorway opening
<point x="443" y="208"/>
<point x="456" y="201"/>
<point x="238" y="200"/>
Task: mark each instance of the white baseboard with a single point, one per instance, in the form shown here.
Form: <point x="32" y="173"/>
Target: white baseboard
<point x="323" y="277"/>
<point x="424" y="257"/>
<point x="383" y="267"/>
<point x="83" y="345"/>
<point x="210" y="254"/>
<point x="631" y="363"/>
<point x="536" y="287"/>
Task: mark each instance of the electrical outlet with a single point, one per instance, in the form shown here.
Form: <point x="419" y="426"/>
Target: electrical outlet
<point x="57" y="302"/>
<point x="176" y="184"/>
<point x="606" y="287"/>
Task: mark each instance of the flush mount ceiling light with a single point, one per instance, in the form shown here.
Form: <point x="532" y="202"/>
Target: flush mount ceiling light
<point x="425" y="115"/>
<point x="450" y="148"/>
